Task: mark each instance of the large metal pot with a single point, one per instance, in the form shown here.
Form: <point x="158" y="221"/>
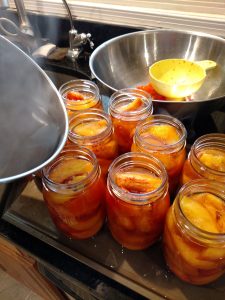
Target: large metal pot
<point x="124" y="61"/>
<point x="33" y="119"/>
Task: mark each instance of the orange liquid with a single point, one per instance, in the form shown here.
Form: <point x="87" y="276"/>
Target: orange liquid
<point x="163" y="135"/>
<point x="124" y="132"/>
<point x="136" y="226"/>
<point x="78" y="214"/>
<point x="211" y="158"/>
<point x="85" y="101"/>
<point x="106" y="150"/>
<point x="190" y="260"/>
<point x="124" y="128"/>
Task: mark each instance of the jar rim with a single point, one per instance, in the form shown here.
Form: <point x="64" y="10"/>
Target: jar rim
<point x="166" y="119"/>
<point x="204" y="186"/>
<point x="130" y="115"/>
<point x="78" y="84"/>
<point x="85" y="116"/>
<point x="208" y="140"/>
<point x="126" y="160"/>
<point x="83" y="153"/>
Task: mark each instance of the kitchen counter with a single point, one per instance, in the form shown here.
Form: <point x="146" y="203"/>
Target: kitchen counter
<point x="98" y="268"/>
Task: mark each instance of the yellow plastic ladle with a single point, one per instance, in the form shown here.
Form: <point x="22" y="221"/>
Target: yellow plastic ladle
<point x="178" y="78"/>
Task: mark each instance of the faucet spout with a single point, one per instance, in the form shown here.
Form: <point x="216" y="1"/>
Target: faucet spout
<point x="76" y="40"/>
<point x="25" y="25"/>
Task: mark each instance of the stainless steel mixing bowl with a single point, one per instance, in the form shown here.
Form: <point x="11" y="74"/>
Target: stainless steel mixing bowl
<point x="124" y="62"/>
<point x="33" y="119"/>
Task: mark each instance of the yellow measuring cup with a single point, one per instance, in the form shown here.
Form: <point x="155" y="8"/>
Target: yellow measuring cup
<point x="178" y="78"/>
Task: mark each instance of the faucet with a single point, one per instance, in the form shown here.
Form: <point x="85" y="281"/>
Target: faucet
<point x="23" y="19"/>
<point x="76" y="40"/>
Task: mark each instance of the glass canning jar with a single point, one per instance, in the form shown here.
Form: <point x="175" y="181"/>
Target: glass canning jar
<point x="93" y="130"/>
<point x="165" y="138"/>
<point x="206" y="159"/>
<point x="127" y="107"/>
<point x="137" y="200"/>
<point x="75" y="192"/>
<point x="80" y="94"/>
<point x="194" y="234"/>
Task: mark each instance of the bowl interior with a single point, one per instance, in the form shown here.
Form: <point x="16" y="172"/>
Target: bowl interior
<point x="124" y="61"/>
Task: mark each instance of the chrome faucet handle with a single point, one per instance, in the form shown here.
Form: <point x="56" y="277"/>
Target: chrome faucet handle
<point x="90" y="41"/>
<point x="76" y="40"/>
<point x="86" y="37"/>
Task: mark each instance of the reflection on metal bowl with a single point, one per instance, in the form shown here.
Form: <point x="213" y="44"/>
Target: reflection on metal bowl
<point x="33" y="119"/>
<point x="124" y="62"/>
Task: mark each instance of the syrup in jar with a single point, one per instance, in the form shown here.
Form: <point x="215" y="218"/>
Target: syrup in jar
<point x="80" y="95"/>
<point x="127" y="107"/>
<point x="194" y="234"/>
<point x="93" y="130"/>
<point x="206" y="159"/>
<point x="75" y="192"/>
<point x="137" y="200"/>
<point x="165" y="138"/>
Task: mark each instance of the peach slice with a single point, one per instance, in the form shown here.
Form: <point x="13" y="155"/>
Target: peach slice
<point x="214" y="159"/>
<point x="137" y="182"/>
<point x="190" y="255"/>
<point x="106" y="150"/>
<point x="205" y="211"/>
<point x="80" y="224"/>
<point x="72" y="95"/>
<point x="57" y="198"/>
<point x="162" y="134"/>
<point x="91" y="128"/>
<point x="132" y="106"/>
<point x="71" y="171"/>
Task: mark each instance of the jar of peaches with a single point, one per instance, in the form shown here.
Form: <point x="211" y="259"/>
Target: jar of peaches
<point x="80" y="94"/>
<point x="137" y="200"/>
<point x="194" y="235"/>
<point x="127" y="107"/>
<point x="93" y="129"/>
<point x="165" y="138"/>
<point x="75" y="192"/>
<point x="206" y="159"/>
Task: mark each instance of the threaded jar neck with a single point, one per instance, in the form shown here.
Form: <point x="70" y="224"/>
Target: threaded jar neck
<point x="140" y="162"/>
<point x="190" y="189"/>
<point x="69" y="153"/>
<point x="208" y="142"/>
<point x="127" y="96"/>
<point x="92" y="115"/>
<point x="80" y="86"/>
<point x="142" y="129"/>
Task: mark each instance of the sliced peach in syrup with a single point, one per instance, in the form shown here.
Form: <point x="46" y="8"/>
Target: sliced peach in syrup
<point x="214" y="254"/>
<point x="72" y="95"/>
<point x="205" y="211"/>
<point x="191" y="253"/>
<point x="214" y="159"/>
<point x="136" y="104"/>
<point x="136" y="182"/>
<point x="57" y="198"/>
<point x="83" y="224"/>
<point x="197" y="214"/>
<point x="70" y="171"/>
<point x="162" y="134"/>
<point x="124" y="222"/>
<point x="106" y="150"/>
<point x="90" y="128"/>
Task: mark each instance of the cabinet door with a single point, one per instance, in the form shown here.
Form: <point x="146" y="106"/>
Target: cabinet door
<point x="23" y="268"/>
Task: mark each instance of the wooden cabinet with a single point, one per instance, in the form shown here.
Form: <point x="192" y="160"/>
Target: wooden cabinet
<point x="23" y="268"/>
